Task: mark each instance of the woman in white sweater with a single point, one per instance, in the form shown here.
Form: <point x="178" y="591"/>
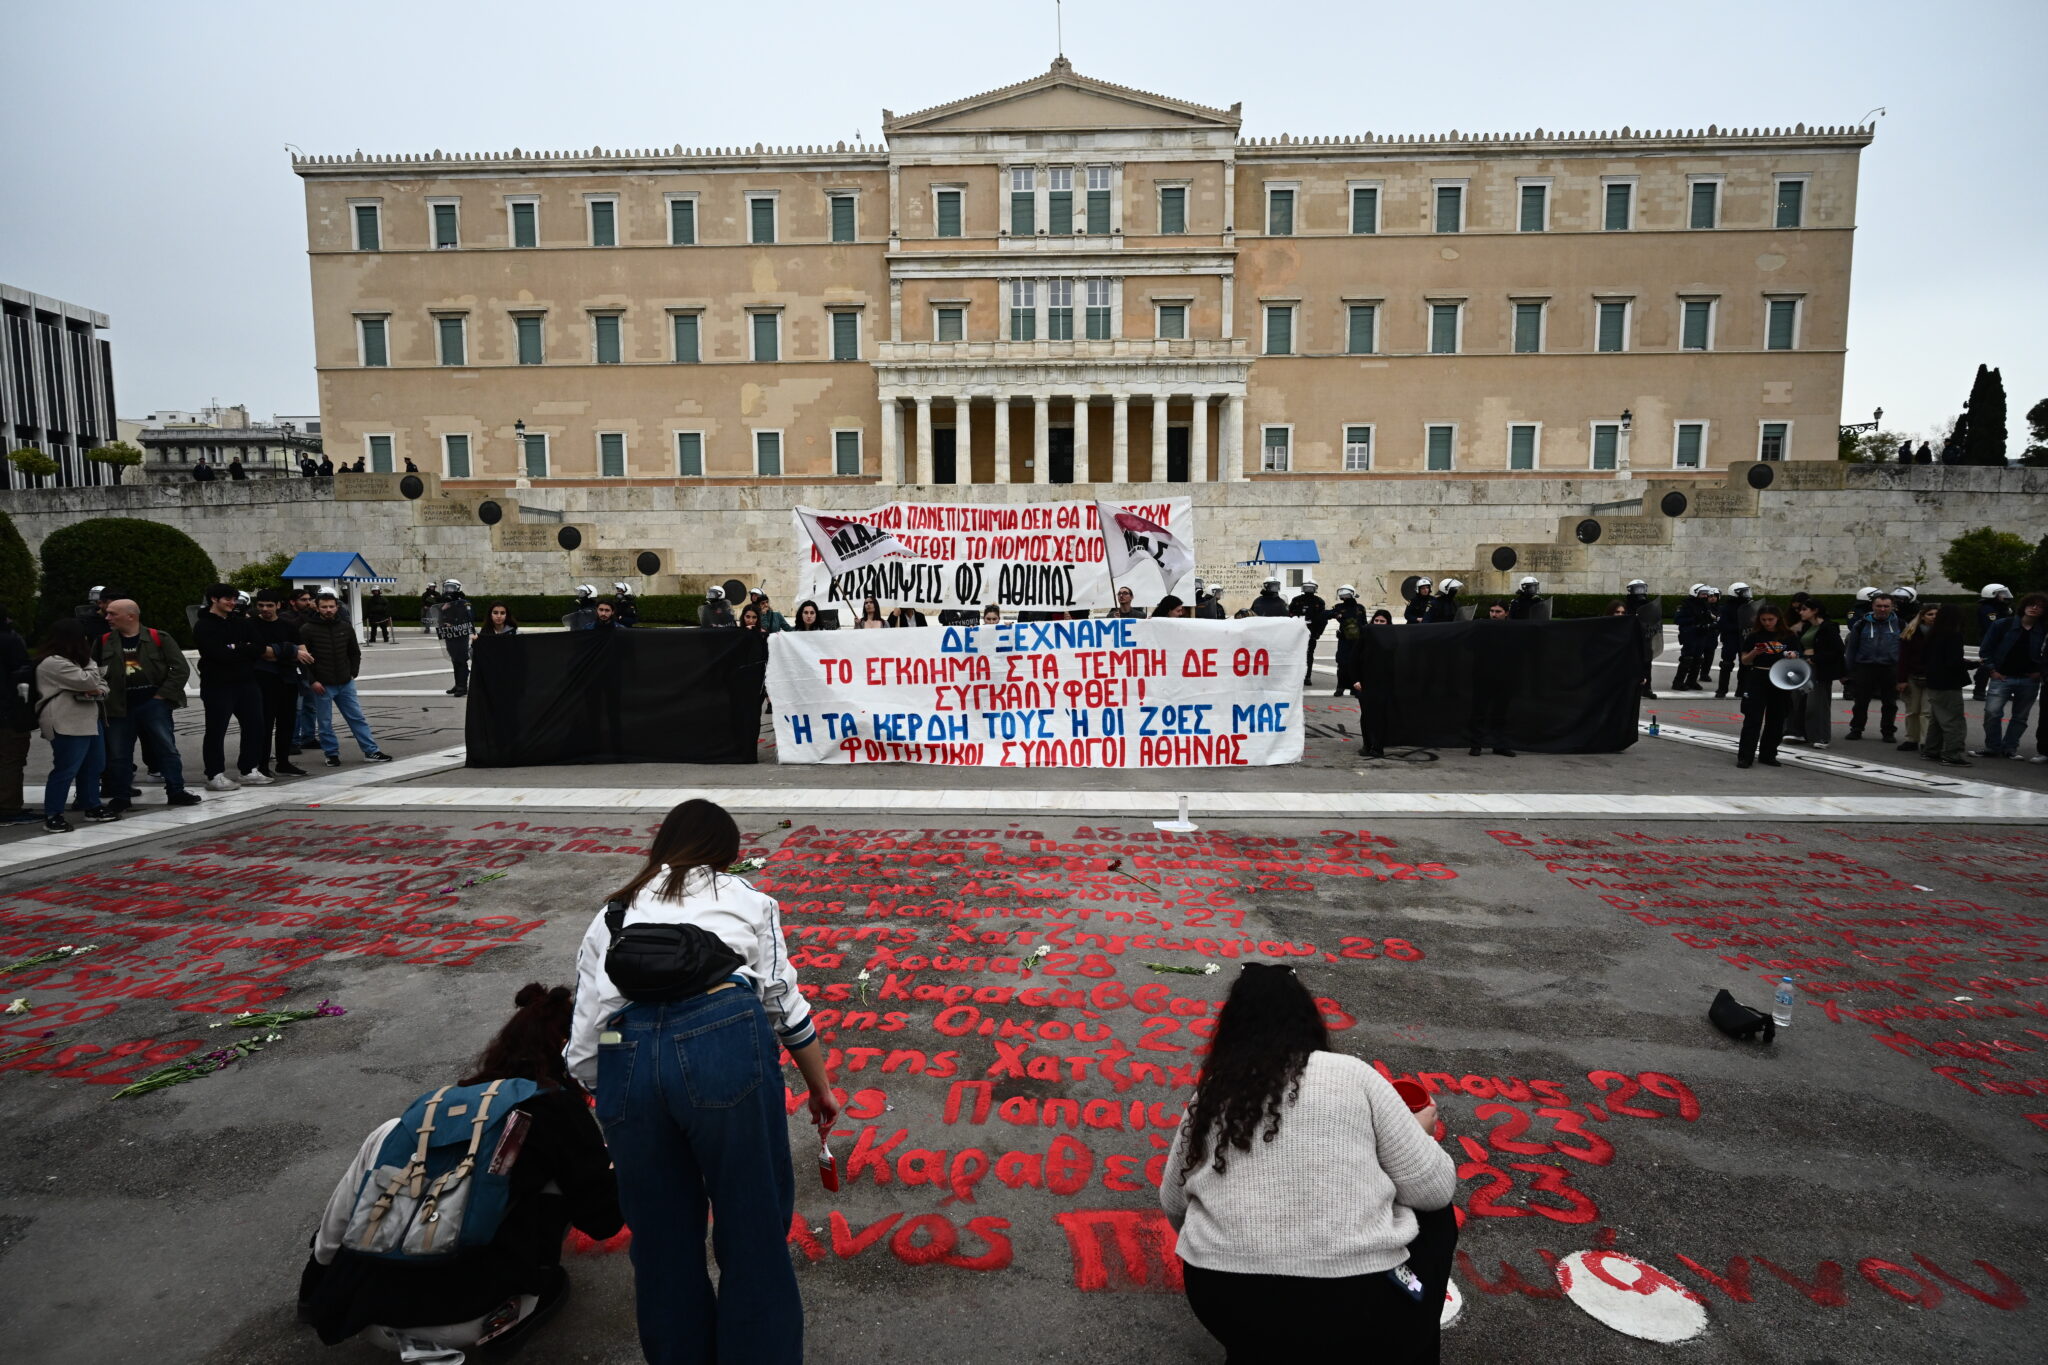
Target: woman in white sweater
<point x="1313" y="1207"/>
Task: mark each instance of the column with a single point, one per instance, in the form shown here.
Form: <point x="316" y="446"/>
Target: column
<point x="1002" y="438"/>
<point x="963" y="439"/>
<point x="921" y="469"/>
<point x="1082" y="474"/>
<point x="892" y="453"/>
<point x="1233" y="438"/>
<point x="1159" y="438"/>
<point x="1198" y="441"/>
<point x="1041" y="437"/>
<point x="1120" y="438"/>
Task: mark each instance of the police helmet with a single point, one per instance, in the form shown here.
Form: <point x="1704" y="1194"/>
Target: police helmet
<point x="714" y="594"/>
<point x="1904" y="594"/>
<point x="622" y="589"/>
<point x="1215" y="590"/>
<point x="1529" y="583"/>
<point x="585" y="591"/>
<point x="1452" y="584"/>
<point x="1997" y="590"/>
<point x="1422" y="583"/>
<point x="1738" y="590"/>
<point x="1272" y="581"/>
<point x="1348" y="591"/>
<point x="1865" y="594"/>
<point x="1308" y="585"/>
<point x="1700" y="590"/>
<point x="451" y="585"/>
<point x="1638" y="585"/>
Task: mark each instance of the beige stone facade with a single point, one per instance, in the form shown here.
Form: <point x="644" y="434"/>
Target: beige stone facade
<point x="1066" y="281"/>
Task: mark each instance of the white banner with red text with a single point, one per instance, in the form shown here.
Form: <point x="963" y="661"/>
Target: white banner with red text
<point x="1096" y="693"/>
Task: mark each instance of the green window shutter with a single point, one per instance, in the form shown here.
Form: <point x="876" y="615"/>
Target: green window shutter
<point x="1443" y="329"/>
<point x="1689" y="445"/>
<point x="607" y="326"/>
<point x="1173" y="322"/>
<point x="768" y="453"/>
<point x="536" y="457"/>
<point x="1528" y="328"/>
<point x="1450" y="208"/>
<point x="1023" y="324"/>
<point x="1280" y="213"/>
<point x="376" y="351"/>
<point x="682" y="222"/>
<point x="452" y="348"/>
<point x="1706" y="204"/>
<point x="766" y="343"/>
<point x="949" y="213"/>
<point x="952" y="324"/>
<point x="1279" y="331"/>
<point x="1098" y="212"/>
<point x="458" y="457"/>
<point x="1358" y="336"/>
<point x="525" y="225"/>
<point x="846" y="453"/>
<point x="1173" y="210"/>
<point x="1098" y="324"/>
<point x="1439" y="448"/>
<point x="686" y="339"/>
<point x="604" y="223"/>
<point x="1059" y="212"/>
<point x="1365" y="209"/>
<point x="611" y="454"/>
<point x="1613" y="326"/>
<point x="1771" y="444"/>
<point x="842" y="217"/>
<point x="380" y="455"/>
<point x="529" y="340"/>
<point x="1694" y="334"/>
<point x="1606" y="442"/>
<point x="690" y="454"/>
<point x="846" y="336"/>
<point x="1791" y="203"/>
<point x="368" y="235"/>
<point x="1619" y="198"/>
<point x="1521" y="447"/>
<point x="1059" y="324"/>
<point x="444" y="225"/>
<point x="1535" y="202"/>
<point x="1784" y="313"/>
<point x="761" y="221"/>
<point x="1023" y="214"/>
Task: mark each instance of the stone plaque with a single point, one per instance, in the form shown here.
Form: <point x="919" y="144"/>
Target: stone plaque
<point x="383" y="487"/>
<point x="1722" y="502"/>
<point x="1792" y="475"/>
<point x="1541" y="560"/>
<point x="1651" y="530"/>
<point x="608" y="563"/>
<point x="512" y="537"/>
<point x="445" y="512"/>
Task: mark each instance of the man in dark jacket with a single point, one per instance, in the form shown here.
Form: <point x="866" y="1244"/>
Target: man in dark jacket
<point x="1699" y="630"/>
<point x="1994" y="603"/>
<point x="1871" y="658"/>
<point x="458" y="623"/>
<point x="278" y="672"/>
<point x="1443" y="607"/>
<point x="1124" y="607"/>
<point x="16" y="721"/>
<point x="1315" y="615"/>
<point x="1349" y="618"/>
<point x="714" y="612"/>
<point x="337" y="657"/>
<point x="1269" y="602"/>
<point x="227" y="690"/>
<point x="146" y="675"/>
<point x="1419" y="605"/>
<point x="2014" y="651"/>
<point x="1210" y="608"/>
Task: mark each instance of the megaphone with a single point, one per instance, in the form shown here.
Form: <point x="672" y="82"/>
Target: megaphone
<point x="1791" y="674"/>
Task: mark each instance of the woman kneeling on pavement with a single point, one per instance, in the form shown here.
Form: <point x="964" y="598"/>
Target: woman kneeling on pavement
<point x="1313" y="1207"/>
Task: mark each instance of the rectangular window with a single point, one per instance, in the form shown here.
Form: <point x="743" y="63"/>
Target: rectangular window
<point x="604" y="222"/>
<point x="447" y="233"/>
<point x="1791" y="204"/>
<point x="690" y="454"/>
<point x="1772" y="440"/>
<point x="1528" y="328"/>
<point x="1359" y="328"/>
<point x="1620" y="198"/>
<point x="685" y="329"/>
<point x="842" y="217"/>
<point x="1783" y="329"/>
<point x="1450" y="208"/>
<point x="453" y="349"/>
<point x="1690" y="445"/>
<point x="846" y="336"/>
<point x="1023" y="201"/>
<point x="1696" y="330"/>
<point x="846" y="453"/>
<point x="1098" y="201"/>
<point x="1357" y="449"/>
<point x="1440" y="445"/>
<point x="1612" y="334"/>
<point x="682" y="222"/>
<point x="1706" y="205"/>
<point x="1280" y="330"/>
<point x="1023" y="310"/>
<point x="950" y="325"/>
<point x="1522" y="445"/>
<point x="380" y="455"/>
<point x="1365" y="209"/>
<point x="536" y="454"/>
<point x="455" y="456"/>
<point x="611" y="454"/>
<point x="1098" y="305"/>
<point x="369" y="228"/>
<point x="948" y="212"/>
<point x="761" y="219"/>
<point x="1606" y="444"/>
<point x="1059" y="310"/>
<point x="525" y="223"/>
<point x="605" y="326"/>
<point x="528" y="331"/>
<point x="376" y="342"/>
<point x="1173" y="210"/>
<point x="1535" y="209"/>
<point x="768" y="454"/>
<point x="1059" y="201"/>
<point x="766" y="329"/>
<point x="1275" y="449"/>
<point x="1443" y="328"/>
<point x="1173" y="321"/>
<point x="1279" y="213"/>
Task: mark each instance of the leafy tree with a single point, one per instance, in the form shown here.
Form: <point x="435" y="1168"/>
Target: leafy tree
<point x="2037" y="568"/>
<point x="1866" y="447"/>
<point x="159" y="566"/>
<point x="259" y="574"/>
<point x="2037" y="430"/>
<point x="1986" y="556"/>
<point x="117" y="456"/>
<point x="17" y="576"/>
<point x="32" y="462"/>
<point x="1985" y="443"/>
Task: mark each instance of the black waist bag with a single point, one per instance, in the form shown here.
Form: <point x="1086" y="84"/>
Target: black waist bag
<point x="1738" y="1020"/>
<point x="663" y="963"/>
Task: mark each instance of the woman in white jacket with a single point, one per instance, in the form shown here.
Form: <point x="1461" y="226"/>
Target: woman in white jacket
<point x="69" y="688"/>
<point x="690" y="1096"/>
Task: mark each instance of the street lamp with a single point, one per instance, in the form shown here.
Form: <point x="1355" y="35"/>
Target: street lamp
<point x="1627" y="419"/>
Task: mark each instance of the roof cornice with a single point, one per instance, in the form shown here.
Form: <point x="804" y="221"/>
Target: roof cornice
<point x="438" y="162"/>
<point x="1061" y="73"/>
<point x="1288" y="147"/>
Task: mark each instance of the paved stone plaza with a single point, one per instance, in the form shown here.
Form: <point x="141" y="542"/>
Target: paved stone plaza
<point x="1538" y="938"/>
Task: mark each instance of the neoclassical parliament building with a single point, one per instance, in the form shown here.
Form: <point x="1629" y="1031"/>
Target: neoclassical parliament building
<point x="1066" y="281"/>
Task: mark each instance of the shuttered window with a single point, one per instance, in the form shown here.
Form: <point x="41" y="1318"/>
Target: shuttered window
<point x="1528" y="328"/>
<point x="1784" y="324"/>
<point x="457" y="450"/>
<point x="1023" y="310"/>
<point x="690" y="454"/>
<point x="949" y="213"/>
<point x="842" y="217"/>
<point x="1365" y="209"/>
<point x="1620" y="207"/>
<point x="1706" y="204"/>
<point x="768" y="454"/>
<point x="526" y="224"/>
<point x="767" y="336"/>
<point x="606" y="326"/>
<point x="1613" y="328"/>
<point x="846" y="336"/>
<point x="453" y="350"/>
<point x="380" y="455"/>
<point x="685" y="328"/>
<point x="1522" y="445"/>
<point x="951" y="325"/>
<point x="1692" y="439"/>
<point x="1771" y="441"/>
<point x="1450" y="208"/>
<point x="1697" y="327"/>
<point x="1279" y="213"/>
<point x="536" y="457"/>
<point x="682" y="222"/>
<point x="1059" y="201"/>
<point x="528" y="331"/>
<point x="1098" y="200"/>
<point x="846" y="453"/>
<point x="446" y="232"/>
<point x="604" y="223"/>
<point x="1359" y="328"/>
<point x="376" y="345"/>
<point x="1173" y="321"/>
<point x="611" y="454"/>
<point x="1606" y="444"/>
<point x="761" y="221"/>
<point x="1099" y="315"/>
<point x="1357" y="449"/>
<point x="369" y="230"/>
<point x="1276" y="450"/>
<point x="1535" y="208"/>
<point x="1059" y="310"/>
<point x="1439" y="446"/>
<point x="1280" y="331"/>
<point x="1173" y="210"/>
<point x="1791" y="204"/>
<point x="1443" y="329"/>
<point x="1023" y="201"/>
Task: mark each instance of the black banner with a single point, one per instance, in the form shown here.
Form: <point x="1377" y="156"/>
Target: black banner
<point x="616" y="696"/>
<point x="1548" y="687"/>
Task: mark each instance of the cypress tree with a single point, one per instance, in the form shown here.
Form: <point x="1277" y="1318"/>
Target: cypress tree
<point x="1986" y="439"/>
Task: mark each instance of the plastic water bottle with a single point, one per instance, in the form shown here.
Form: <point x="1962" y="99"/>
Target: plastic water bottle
<point x="1653" y="724"/>
<point x="1781" y="1003"/>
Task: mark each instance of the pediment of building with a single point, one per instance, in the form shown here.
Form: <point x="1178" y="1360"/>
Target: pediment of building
<point x="1060" y="99"/>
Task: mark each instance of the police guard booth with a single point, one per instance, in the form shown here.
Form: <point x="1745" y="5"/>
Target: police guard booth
<point x="346" y="572"/>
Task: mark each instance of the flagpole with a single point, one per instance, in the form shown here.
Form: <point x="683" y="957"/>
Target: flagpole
<point x="1108" y="560"/>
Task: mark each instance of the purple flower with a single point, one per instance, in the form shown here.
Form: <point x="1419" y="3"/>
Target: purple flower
<point x="328" y="1011"/>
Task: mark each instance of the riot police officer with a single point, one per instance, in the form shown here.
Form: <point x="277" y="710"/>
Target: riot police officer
<point x="1526" y="605"/>
<point x="458" y="620"/>
<point x="1315" y="616"/>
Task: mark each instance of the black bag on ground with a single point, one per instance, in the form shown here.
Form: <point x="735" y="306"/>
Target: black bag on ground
<point x="1738" y="1020"/>
<point x="663" y="963"/>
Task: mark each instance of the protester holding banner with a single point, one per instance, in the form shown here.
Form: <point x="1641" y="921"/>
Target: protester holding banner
<point x="871" y="617"/>
<point x="901" y="617"/>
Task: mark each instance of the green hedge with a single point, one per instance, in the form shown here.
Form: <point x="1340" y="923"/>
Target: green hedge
<point x="549" y="609"/>
<point x="159" y="566"/>
<point x="17" y="577"/>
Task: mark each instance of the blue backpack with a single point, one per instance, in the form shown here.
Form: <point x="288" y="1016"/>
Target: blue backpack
<point x="442" y="1182"/>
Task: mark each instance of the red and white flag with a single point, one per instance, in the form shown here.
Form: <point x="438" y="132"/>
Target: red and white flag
<point x="1131" y="537"/>
<point x="845" y="543"/>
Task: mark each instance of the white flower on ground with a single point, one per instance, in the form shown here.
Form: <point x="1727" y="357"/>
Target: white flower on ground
<point x="863" y="975"/>
<point x="20" y="1006"/>
<point x="1210" y="969"/>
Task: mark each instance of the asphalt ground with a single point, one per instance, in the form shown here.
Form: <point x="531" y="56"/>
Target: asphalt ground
<point x="1870" y="1187"/>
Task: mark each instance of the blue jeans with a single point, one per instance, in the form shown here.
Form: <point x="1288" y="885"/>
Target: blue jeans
<point x="75" y="758"/>
<point x="152" y="720"/>
<point x="342" y="695"/>
<point x="2002" y="736"/>
<point x="692" y="1105"/>
<point x="303" y="733"/>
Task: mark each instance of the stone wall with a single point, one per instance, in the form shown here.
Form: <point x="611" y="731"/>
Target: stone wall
<point x="1883" y="524"/>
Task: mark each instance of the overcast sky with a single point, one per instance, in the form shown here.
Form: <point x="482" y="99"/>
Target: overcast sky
<point x="143" y="170"/>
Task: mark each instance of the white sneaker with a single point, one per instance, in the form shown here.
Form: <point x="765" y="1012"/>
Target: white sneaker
<point x="257" y="778"/>
<point x="221" y="782"/>
<point x="1815" y="745"/>
<point x="2039" y="758"/>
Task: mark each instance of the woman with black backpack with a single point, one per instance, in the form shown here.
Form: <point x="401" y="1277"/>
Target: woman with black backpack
<point x="685" y="1001"/>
